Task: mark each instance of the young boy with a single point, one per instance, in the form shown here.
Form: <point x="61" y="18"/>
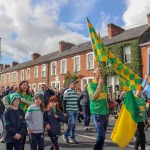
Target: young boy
<point x="14" y="122"/>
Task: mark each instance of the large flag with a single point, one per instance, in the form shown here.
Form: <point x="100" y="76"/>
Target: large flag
<point x="126" y="125"/>
<point x="128" y="79"/>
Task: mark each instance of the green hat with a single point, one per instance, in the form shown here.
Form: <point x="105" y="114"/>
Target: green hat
<point x="13" y="96"/>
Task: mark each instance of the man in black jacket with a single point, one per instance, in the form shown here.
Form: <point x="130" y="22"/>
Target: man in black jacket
<point x="47" y="94"/>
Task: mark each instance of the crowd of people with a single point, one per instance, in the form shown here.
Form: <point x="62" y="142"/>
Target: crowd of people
<point x="24" y="112"/>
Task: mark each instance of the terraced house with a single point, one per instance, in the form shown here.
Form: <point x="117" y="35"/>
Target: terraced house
<point x="131" y="46"/>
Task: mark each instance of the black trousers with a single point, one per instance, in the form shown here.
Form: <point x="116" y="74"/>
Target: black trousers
<point x="140" y="136"/>
<point x="54" y="145"/>
<point x="37" y="140"/>
<point x="17" y="145"/>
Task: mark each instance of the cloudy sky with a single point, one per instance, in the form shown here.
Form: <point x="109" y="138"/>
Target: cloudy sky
<point x="29" y="26"/>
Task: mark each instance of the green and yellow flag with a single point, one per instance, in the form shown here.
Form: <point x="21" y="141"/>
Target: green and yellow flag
<point x="126" y="125"/>
<point x="128" y="79"/>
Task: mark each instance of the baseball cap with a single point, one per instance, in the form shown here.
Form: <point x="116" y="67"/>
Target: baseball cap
<point x="73" y="81"/>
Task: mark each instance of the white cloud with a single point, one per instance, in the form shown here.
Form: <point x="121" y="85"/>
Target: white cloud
<point x="102" y="25"/>
<point x="27" y="28"/>
<point x="136" y="12"/>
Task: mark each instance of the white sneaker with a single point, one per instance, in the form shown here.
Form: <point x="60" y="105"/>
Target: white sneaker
<point x="86" y="128"/>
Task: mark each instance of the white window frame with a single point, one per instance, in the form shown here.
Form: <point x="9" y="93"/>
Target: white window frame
<point x="55" y="82"/>
<point x="52" y="68"/>
<point x="75" y="64"/>
<point x="44" y="65"/>
<point x="87" y="62"/>
<point x="33" y="87"/>
<point x="28" y="76"/>
<point x="2" y="78"/>
<point x="87" y="79"/>
<point x="61" y="69"/>
<point x="39" y="85"/>
<point x="36" y="75"/>
<point x="126" y="51"/>
<point x="8" y="74"/>
<point x="14" y="80"/>
<point x="114" y="82"/>
<point x="22" y="75"/>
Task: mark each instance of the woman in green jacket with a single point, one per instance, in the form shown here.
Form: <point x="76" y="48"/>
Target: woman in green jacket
<point x="26" y="99"/>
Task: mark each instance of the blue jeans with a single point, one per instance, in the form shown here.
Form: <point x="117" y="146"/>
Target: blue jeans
<point x="100" y="122"/>
<point x="71" y="126"/>
<point x="36" y="139"/>
<point x="86" y="113"/>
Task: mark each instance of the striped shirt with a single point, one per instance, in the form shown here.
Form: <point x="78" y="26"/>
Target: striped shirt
<point x="71" y="100"/>
<point x="34" y="118"/>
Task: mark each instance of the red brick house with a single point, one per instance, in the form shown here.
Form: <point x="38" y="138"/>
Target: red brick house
<point x="50" y="68"/>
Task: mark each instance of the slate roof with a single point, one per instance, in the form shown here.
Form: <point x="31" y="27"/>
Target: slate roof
<point x="124" y="36"/>
<point x="41" y="59"/>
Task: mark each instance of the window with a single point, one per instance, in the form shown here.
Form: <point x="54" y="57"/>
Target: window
<point x="2" y="79"/>
<point x="127" y="54"/>
<point x="76" y="63"/>
<point x="55" y="85"/>
<point x="90" y="61"/>
<point x="108" y="64"/>
<point x="43" y="70"/>
<point x="109" y="84"/>
<point x="13" y="76"/>
<point x="86" y="81"/>
<point x="53" y="68"/>
<point x="22" y="75"/>
<point x="36" y="72"/>
<point x="7" y="77"/>
<point x="28" y="74"/>
<point x="63" y="66"/>
<point x="34" y="87"/>
<point x="112" y="84"/>
<point x="39" y="86"/>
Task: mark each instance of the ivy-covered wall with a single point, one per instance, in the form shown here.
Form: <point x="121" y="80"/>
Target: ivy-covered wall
<point x="117" y="50"/>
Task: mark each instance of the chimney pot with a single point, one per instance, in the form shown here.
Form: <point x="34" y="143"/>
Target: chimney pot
<point x="113" y="30"/>
<point x="64" y="45"/>
<point x="14" y="63"/>
<point x="6" y="66"/>
<point x="35" y="56"/>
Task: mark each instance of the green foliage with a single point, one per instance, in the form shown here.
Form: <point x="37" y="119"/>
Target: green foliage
<point x="68" y="76"/>
<point x="117" y="49"/>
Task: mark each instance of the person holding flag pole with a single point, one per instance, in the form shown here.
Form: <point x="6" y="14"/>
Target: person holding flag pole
<point x="129" y="80"/>
<point x="98" y="107"/>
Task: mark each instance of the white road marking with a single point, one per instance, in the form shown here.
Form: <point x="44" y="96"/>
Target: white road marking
<point x="109" y="141"/>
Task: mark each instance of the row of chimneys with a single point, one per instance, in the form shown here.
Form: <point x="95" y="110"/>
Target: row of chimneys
<point x="2" y="66"/>
<point x="113" y="30"/>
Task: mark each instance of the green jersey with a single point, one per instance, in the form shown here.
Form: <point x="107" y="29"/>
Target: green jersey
<point x="100" y="105"/>
<point x="142" y="117"/>
<point x="27" y="97"/>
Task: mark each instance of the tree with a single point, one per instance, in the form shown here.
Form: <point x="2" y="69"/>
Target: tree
<point x="68" y="76"/>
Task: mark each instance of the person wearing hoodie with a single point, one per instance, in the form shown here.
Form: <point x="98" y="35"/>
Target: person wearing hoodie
<point x="34" y="120"/>
<point x="15" y="125"/>
<point x="52" y="118"/>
